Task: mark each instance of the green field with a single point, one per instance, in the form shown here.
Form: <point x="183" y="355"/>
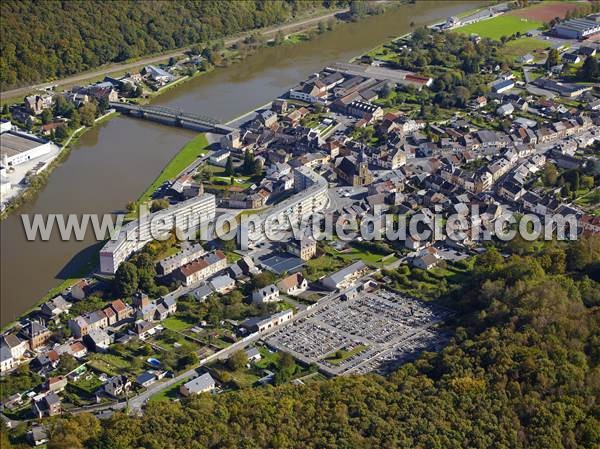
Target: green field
<point x="176" y="324"/>
<point x="500" y="26"/>
<point x="520" y="47"/>
<point x="194" y="148"/>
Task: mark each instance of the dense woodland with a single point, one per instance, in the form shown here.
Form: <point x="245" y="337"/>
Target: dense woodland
<point x="521" y="371"/>
<point x="43" y="40"/>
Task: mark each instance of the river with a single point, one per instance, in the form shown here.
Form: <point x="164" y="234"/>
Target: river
<point x="116" y="161"/>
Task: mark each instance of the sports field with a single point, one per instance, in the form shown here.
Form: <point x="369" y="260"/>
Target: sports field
<point x="497" y="27"/>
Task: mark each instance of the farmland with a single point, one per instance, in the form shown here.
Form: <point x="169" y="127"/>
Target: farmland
<point x="545" y="11"/>
<point x="497" y="27"/>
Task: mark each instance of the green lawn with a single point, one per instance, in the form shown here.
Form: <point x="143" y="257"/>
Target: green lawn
<point x="88" y="385"/>
<point x="500" y="26"/>
<point x="191" y="150"/>
<point x="168" y="393"/>
<point x="520" y="47"/>
<point x="268" y="358"/>
<point x="176" y="324"/>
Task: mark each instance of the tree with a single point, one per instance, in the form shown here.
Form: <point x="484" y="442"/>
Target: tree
<point x="126" y="279"/>
<point x="172" y="61"/>
<point x="322" y="27"/>
<point x="61" y="132"/>
<point x="550" y="175"/>
<point x="75" y="121"/>
<point x="590" y="70"/>
<point x="67" y="363"/>
<point x="88" y="114"/>
<point x="257" y="167"/>
<point x="159" y="204"/>
<point x="553" y="58"/>
<point x="248" y="164"/>
<point x="46" y="116"/>
<point x="237" y="360"/>
<point x="5" y="110"/>
<point x="229" y="166"/>
<point x="103" y="105"/>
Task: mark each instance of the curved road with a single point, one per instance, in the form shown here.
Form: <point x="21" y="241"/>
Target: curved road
<point x="111" y="68"/>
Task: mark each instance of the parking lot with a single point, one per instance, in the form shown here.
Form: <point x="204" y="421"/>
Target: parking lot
<point x="368" y="333"/>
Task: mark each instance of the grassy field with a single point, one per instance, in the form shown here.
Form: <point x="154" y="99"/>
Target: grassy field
<point x="175" y="324"/>
<point x="192" y="150"/>
<point x="500" y="26"/>
<point x="519" y="47"/>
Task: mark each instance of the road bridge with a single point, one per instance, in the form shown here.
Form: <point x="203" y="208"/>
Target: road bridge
<point x="173" y="117"/>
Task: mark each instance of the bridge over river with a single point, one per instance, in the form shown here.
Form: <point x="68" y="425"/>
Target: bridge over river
<point x="173" y="117"/>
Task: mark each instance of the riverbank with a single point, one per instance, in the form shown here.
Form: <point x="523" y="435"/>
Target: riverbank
<point x="39" y="181"/>
<point x="308" y="20"/>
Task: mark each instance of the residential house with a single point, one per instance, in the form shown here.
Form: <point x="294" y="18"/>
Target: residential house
<point x="425" y="261"/>
<point x="15" y="345"/>
<point x="37" y="334"/>
<point x="280" y="106"/>
<point x="145" y="329"/>
<point x="79" y="326"/>
<point x="157" y="74"/>
<point x="146" y="379"/>
<point x="35" y="104"/>
<point x="293" y="284"/>
<point x="7" y="361"/>
<point x="222" y="284"/>
<point x="200" y="384"/>
<point x="270" y="293"/>
<point x="55" y="307"/>
<point x="37" y="435"/>
<point x="253" y="355"/>
<point x="117" y="386"/>
<point x="97" y="340"/>
<point x="219" y="158"/>
<point x="202" y="268"/>
<point x="49" y="405"/>
<point x="55" y="384"/>
<point x="122" y="310"/>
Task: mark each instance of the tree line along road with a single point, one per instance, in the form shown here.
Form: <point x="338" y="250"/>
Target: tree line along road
<point x="112" y="68"/>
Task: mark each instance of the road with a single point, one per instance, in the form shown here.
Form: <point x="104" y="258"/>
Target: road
<point x="112" y="68"/>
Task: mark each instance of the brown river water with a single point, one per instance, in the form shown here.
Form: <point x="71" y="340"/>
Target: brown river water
<point x="114" y="163"/>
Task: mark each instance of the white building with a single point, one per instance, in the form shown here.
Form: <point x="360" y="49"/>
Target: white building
<point x="187" y="216"/>
<point x="345" y="277"/>
<point x="201" y="384"/>
<point x="311" y="197"/>
<point x="270" y="293"/>
<point x="17" y="148"/>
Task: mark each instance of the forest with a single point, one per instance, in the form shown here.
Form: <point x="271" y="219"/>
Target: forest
<point x="521" y="371"/>
<point x="45" y="40"/>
